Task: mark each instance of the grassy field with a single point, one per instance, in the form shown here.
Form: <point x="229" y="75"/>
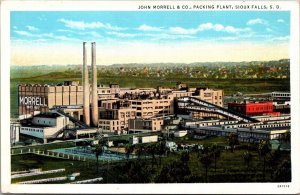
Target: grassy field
<point x="31" y="161"/>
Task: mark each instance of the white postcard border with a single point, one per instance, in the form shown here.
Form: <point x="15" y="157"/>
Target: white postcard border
<point x="261" y="188"/>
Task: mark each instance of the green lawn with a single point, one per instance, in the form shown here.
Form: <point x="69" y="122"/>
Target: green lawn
<point x="29" y="161"/>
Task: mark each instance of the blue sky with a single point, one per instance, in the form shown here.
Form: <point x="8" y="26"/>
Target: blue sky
<point x="161" y="31"/>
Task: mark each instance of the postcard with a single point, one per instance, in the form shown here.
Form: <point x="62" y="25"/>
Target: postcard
<point x="175" y="97"/>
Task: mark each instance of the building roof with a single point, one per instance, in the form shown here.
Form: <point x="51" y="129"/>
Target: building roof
<point x="47" y="115"/>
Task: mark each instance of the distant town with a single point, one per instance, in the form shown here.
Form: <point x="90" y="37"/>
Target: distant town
<point x="77" y="130"/>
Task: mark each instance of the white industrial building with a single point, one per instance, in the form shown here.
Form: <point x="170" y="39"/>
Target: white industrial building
<point x="44" y="126"/>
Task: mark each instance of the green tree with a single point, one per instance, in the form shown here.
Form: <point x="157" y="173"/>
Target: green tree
<point x="247" y="156"/>
<point x="174" y="172"/>
<point x="274" y="158"/>
<point x="98" y="152"/>
<point x="264" y="149"/>
<point x="185" y="157"/>
<point x="283" y="172"/>
<point x="152" y="150"/>
<point x="206" y="160"/>
<point x="140" y="150"/>
<point x="232" y="140"/>
<point x="286" y="137"/>
<point x="216" y="154"/>
<point x="133" y="172"/>
<point x="129" y="148"/>
<point x="161" y="149"/>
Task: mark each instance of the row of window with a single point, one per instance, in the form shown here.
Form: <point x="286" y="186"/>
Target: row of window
<point x="245" y="134"/>
<point x="281" y="94"/>
<point x="113" y="122"/>
<point x="32" y="130"/>
<point x="260" y="126"/>
<point x="49" y="122"/>
<point x="216" y="97"/>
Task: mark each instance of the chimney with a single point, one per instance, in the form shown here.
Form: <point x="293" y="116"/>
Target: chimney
<point x="95" y="117"/>
<point x="86" y="89"/>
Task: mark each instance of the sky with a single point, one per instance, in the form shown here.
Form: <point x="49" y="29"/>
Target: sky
<point x="55" y="37"/>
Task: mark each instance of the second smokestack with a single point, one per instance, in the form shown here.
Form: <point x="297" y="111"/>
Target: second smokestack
<point x="94" y="87"/>
<point x="86" y="89"/>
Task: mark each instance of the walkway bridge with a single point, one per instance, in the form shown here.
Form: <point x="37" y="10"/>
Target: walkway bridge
<point x="80" y="125"/>
<point x="73" y="119"/>
<point x="195" y="104"/>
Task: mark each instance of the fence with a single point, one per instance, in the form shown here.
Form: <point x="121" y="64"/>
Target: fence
<point x="44" y="180"/>
<point x="36" y="173"/>
<point x="50" y="154"/>
<point x="88" y="181"/>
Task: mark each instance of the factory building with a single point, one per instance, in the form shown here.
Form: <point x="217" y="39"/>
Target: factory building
<point x="245" y="134"/>
<point x="252" y="109"/>
<point x="212" y="96"/>
<point x="145" y="125"/>
<point x="41" y="98"/>
<point x="45" y="126"/>
<point x="116" y="120"/>
<point x="153" y="107"/>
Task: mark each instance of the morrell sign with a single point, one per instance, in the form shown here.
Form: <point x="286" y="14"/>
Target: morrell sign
<point x="32" y="101"/>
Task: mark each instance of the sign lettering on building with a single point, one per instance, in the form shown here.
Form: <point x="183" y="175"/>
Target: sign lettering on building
<point x="32" y="101"/>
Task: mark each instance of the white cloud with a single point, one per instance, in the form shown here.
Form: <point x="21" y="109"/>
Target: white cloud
<point x="257" y="21"/>
<point x="145" y="27"/>
<point x="280" y="21"/>
<point x="207" y="26"/>
<point x="165" y="36"/>
<point x="24" y="33"/>
<point x="180" y="30"/>
<point x="123" y="35"/>
<point x="44" y="35"/>
<point x="81" y="25"/>
<point x="269" y="30"/>
<point x="63" y="38"/>
<point x="32" y="28"/>
<point x="64" y="30"/>
<point x="94" y="34"/>
<point x="284" y="38"/>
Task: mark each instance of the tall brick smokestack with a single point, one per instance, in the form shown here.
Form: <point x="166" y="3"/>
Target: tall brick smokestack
<point x="94" y="87"/>
<point x="86" y="89"/>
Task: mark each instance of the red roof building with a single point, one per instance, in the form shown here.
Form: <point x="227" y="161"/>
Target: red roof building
<point x="251" y="109"/>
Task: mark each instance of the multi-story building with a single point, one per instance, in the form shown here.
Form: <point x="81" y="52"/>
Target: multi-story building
<point x="255" y="108"/>
<point x="146" y="125"/>
<point x="148" y="108"/>
<point x="41" y="98"/>
<point x="211" y="95"/>
<point x="45" y="126"/>
<point x="116" y="120"/>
